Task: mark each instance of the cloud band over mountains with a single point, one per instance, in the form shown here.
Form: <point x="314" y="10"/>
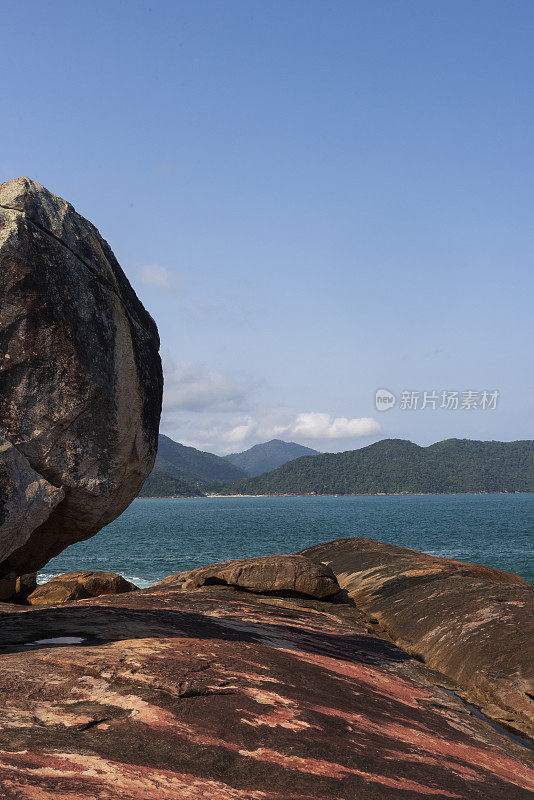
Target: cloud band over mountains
<point x="207" y="410"/>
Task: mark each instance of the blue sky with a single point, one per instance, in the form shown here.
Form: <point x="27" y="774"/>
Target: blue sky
<point x="313" y="199"/>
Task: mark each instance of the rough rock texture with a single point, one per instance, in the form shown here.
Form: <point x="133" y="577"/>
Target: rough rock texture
<point x="7" y="588"/>
<point x="26" y="498"/>
<point x="80" y="380"/>
<point x="77" y="585"/>
<point x="24" y="586"/>
<point x="474" y="624"/>
<point x="227" y="695"/>
<point x="17" y="589"/>
<point x="284" y="573"/>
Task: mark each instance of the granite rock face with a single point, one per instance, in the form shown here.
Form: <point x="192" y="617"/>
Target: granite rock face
<point x="229" y="695"/>
<point x="269" y="574"/>
<point x="80" y="380"/>
<point x="78" y="585"/>
<point x="26" y="498"/>
<point x="472" y="623"/>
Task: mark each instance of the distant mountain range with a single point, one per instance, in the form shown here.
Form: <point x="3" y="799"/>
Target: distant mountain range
<point x="395" y="466"/>
<point x="269" y="455"/>
<point x="194" y="468"/>
<point x="182" y="471"/>
<point x="390" y="466"/>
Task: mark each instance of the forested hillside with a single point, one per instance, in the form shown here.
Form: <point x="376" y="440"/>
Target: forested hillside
<point x="396" y="465"/>
<point x="192" y="465"/>
<point x="162" y="484"/>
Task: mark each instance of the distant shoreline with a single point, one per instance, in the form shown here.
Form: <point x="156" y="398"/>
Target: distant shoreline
<point x="356" y="494"/>
<point x="364" y="494"/>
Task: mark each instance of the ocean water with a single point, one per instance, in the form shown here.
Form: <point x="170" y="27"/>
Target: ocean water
<point x="156" y="538"/>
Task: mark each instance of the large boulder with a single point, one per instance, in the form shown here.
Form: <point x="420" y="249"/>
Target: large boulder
<point x="266" y="575"/>
<point x="80" y="379"/>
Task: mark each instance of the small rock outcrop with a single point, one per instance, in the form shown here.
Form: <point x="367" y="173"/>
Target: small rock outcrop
<point x="16" y="590"/>
<point x="472" y="623"/>
<point x="24" y="586"/>
<point x="265" y="575"/>
<point x="77" y="586"/>
<point x="80" y="380"/>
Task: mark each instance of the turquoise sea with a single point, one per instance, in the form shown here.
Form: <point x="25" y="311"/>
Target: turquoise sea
<point x="155" y="538"/>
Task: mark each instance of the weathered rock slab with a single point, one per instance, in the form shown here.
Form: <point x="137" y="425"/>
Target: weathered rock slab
<point x="227" y="695"/>
<point x="78" y="585"/>
<point x="474" y="624"/>
<point x="267" y="574"/>
<point x="80" y="380"/>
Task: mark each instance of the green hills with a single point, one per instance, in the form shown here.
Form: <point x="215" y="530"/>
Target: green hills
<point x="194" y="466"/>
<point x="162" y="484"/>
<point x="267" y="456"/>
<point x="390" y="466"/>
<point x="396" y="465"/>
<point x="181" y="471"/>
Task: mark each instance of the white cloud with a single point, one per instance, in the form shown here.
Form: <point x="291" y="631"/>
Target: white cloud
<point x="189" y="387"/>
<point x="316" y="425"/>
<point x="239" y="433"/>
<point x="211" y="411"/>
<point x="235" y="432"/>
<point x="156" y="275"/>
<point x="210" y="434"/>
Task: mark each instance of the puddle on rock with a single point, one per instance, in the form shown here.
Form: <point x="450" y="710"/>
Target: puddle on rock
<point x="57" y="640"/>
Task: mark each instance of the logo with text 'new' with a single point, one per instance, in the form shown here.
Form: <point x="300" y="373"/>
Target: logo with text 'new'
<point x="384" y="399"/>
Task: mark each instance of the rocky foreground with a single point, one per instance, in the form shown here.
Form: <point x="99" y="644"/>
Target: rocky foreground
<point x="244" y="680"/>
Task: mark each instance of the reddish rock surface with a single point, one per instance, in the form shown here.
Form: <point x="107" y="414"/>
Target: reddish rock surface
<point x="221" y="694"/>
<point x="284" y="573"/>
<point x="473" y="623"/>
<point x="77" y="585"/>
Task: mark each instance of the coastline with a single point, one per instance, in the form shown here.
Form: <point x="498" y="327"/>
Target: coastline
<point x="356" y="494"/>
